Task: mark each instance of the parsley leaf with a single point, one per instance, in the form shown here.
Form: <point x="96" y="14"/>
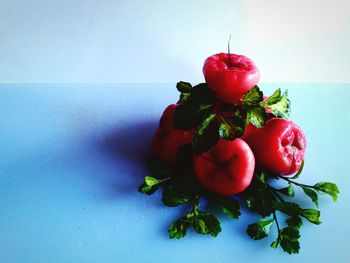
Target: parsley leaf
<point x="274" y="98"/>
<point x="206" y="135"/>
<point x="294" y="221"/>
<point x="253" y="96"/>
<point x="202" y="222"/>
<point x="231" y="128"/>
<point x="312" y="194"/>
<point x="150" y="185"/>
<point x="195" y="104"/>
<point x="184" y="87"/>
<point x="171" y="197"/>
<point x="288" y="208"/>
<point x="312" y="215"/>
<point x="299" y="172"/>
<point x="260" y="229"/>
<point x="178" y="229"/>
<point x="289" y="240"/>
<point x="256" y="116"/>
<point x="328" y="188"/>
<point x="229" y="205"/>
<point x="206" y="224"/>
<point x="288" y="191"/>
<point x="282" y="107"/>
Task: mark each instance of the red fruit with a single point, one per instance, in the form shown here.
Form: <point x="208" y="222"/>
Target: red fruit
<point x="279" y="146"/>
<point x="167" y="119"/>
<point x="230" y="76"/>
<point x="167" y="140"/>
<point x="227" y="168"/>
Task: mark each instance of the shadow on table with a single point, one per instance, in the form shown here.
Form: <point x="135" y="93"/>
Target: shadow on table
<point x="126" y="148"/>
<point x="131" y="142"/>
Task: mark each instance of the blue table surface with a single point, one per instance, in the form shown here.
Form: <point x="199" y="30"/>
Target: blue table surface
<point x="73" y="155"/>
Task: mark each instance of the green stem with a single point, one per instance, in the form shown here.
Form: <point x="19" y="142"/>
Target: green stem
<point x="164" y="179"/>
<point x="196" y="204"/>
<point x="277" y="224"/>
<point x="295" y="183"/>
<point x="274" y="193"/>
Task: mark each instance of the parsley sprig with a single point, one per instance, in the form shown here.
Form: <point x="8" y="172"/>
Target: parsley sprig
<point x="213" y="120"/>
<point x="265" y="200"/>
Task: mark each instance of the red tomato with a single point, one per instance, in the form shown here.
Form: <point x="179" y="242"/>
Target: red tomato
<point x="230" y="76"/>
<point x="279" y="146"/>
<point x="167" y="140"/>
<point x="227" y="168"/>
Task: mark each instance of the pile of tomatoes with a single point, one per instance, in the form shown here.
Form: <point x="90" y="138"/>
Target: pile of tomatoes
<point x="228" y="167"/>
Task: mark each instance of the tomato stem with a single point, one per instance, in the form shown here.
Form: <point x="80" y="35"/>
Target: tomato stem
<point x="228" y="51"/>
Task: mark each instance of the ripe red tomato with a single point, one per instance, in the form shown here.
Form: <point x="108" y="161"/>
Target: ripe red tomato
<point x="227" y="168"/>
<point x="167" y="140"/>
<point x="279" y="146"/>
<point x="230" y="76"/>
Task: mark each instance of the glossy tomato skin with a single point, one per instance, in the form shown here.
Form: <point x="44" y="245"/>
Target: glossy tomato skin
<point x="279" y="146"/>
<point x="227" y="168"/>
<point x="167" y="140"/>
<point x="230" y="76"/>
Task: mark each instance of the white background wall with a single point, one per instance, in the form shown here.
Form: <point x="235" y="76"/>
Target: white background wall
<point x="164" y="40"/>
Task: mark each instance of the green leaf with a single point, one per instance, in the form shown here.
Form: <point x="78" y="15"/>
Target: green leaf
<point x="178" y="228"/>
<point x="184" y="87"/>
<point x="207" y="224"/>
<point x="151" y="181"/>
<point x="281" y="108"/>
<point x="172" y="198"/>
<point x="199" y="226"/>
<point x="260" y="229"/>
<point x="288" y="208"/>
<point x="312" y="215"/>
<point x="288" y="191"/>
<point x="312" y="194"/>
<point x="274" y="98"/>
<point x="194" y="108"/>
<point x="229" y="205"/>
<point x="202" y="94"/>
<point x="290" y="233"/>
<point x="262" y="177"/>
<point x="289" y="240"/>
<point x="328" y="188"/>
<point x="260" y="201"/>
<point x="231" y="128"/>
<point x="275" y="243"/>
<point x="253" y="96"/>
<point x="295" y="222"/>
<point x="299" y="172"/>
<point x="184" y="97"/>
<point x="291" y="247"/>
<point x="150" y="185"/>
<point x="206" y="135"/>
<point x="256" y="116"/>
<point x="146" y="189"/>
